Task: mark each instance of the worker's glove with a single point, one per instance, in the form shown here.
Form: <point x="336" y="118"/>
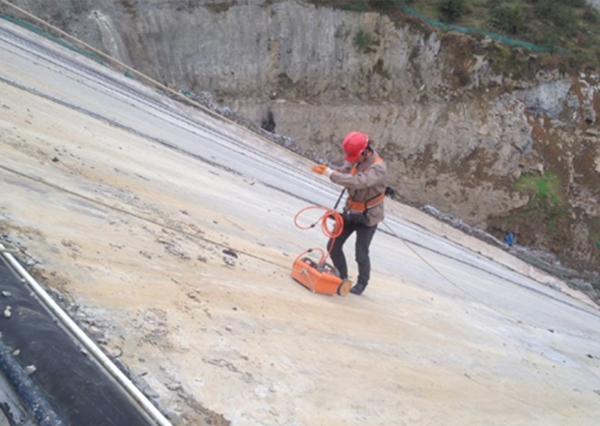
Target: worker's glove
<point x="322" y="169"/>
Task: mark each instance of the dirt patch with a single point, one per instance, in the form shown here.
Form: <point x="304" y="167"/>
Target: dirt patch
<point x="458" y="51"/>
<point x="551" y="147"/>
<point x="584" y="165"/>
<point x="597" y="106"/>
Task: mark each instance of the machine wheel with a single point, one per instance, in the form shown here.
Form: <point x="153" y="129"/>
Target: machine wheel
<point x="344" y="288"/>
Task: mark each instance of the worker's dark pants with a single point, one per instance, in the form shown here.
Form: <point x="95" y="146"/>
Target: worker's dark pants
<point x="364" y="236"/>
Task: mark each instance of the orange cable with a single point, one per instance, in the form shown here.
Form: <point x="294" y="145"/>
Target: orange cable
<point x="330" y="232"/>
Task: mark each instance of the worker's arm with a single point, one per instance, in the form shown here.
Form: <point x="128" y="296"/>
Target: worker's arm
<point x="374" y="176"/>
<point x="345" y="168"/>
<point x="322" y="169"/>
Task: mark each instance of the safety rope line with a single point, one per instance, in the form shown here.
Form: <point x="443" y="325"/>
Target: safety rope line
<point x="195" y="236"/>
<point x="135" y="215"/>
<point x="444" y="276"/>
<point x="111" y="60"/>
<point x="141" y="76"/>
<point x="250" y="255"/>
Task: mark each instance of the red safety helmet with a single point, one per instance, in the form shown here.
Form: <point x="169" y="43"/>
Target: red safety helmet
<point x="354" y="145"/>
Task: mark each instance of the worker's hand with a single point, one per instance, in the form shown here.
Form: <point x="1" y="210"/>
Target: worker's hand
<point x="319" y="168"/>
<point x="322" y="169"/>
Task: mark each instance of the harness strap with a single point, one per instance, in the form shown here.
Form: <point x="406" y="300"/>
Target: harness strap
<point x="363" y="206"/>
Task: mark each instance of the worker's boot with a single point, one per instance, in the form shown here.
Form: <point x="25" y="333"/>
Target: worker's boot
<point x="358" y="289"/>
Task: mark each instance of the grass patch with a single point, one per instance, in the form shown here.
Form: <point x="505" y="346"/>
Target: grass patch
<point x="546" y="198"/>
<point x="545" y="187"/>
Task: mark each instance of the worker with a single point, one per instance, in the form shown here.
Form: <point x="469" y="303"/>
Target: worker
<point x="509" y="239"/>
<point x="364" y="176"/>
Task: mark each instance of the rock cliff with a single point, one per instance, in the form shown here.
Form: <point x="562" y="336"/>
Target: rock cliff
<point x="505" y="148"/>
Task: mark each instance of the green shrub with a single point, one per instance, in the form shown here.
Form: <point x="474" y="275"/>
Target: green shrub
<point x="364" y="41"/>
<point x="452" y="10"/>
<point x="574" y="3"/>
<point x="554" y="11"/>
<point x="357" y="6"/>
<point x="590" y="14"/>
<point x="511" y="18"/>
<point x="579" y="59"/>
<point x="562" y="19"/>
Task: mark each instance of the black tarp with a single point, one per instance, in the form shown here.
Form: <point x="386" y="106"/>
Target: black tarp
<point x="76" y="387"/>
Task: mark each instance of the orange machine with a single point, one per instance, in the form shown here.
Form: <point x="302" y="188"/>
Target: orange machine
<point x="319" y="277"/>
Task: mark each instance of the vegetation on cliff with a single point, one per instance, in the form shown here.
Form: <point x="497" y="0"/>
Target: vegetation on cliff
<point x="570" y="28"/>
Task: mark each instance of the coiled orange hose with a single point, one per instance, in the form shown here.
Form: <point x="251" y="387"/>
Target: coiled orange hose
<point x="330" y="231"/>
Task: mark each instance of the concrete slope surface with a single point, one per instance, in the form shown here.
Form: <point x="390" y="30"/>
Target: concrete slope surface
<point x="169" y="235"/>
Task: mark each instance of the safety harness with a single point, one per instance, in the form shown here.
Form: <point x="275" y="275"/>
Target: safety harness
<point x="363" y="206"/>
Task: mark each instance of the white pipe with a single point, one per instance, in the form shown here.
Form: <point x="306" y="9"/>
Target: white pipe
<point x="87" y="343"/>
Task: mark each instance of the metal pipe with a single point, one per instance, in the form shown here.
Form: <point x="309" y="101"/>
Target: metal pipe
<point x="86" y="342"/>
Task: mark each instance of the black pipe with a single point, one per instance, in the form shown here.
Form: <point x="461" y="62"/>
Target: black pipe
<point x="31" y="394"/>
<point x="339" y="199"/>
